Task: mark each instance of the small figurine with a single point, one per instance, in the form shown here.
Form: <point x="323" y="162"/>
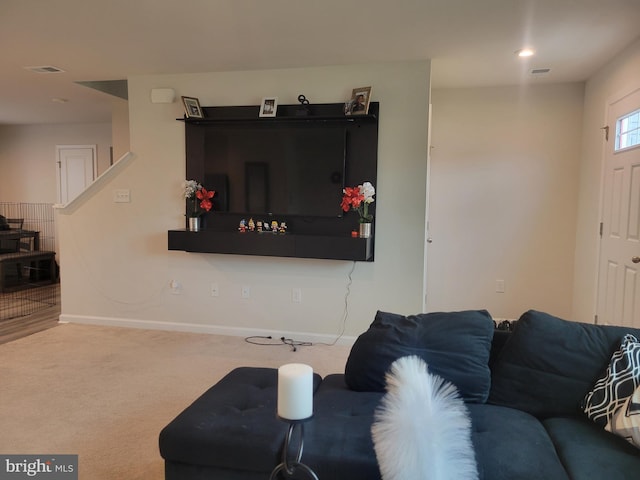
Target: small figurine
<point x="265" y="225"/>
<point x="274" y="226"/>
<point x="252" y="225"/>
<point x="283" y="228"/>
<point x="243" y="226"/>
<point x="259" y="225"/>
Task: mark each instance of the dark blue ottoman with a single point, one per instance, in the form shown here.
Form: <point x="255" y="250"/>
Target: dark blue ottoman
<point x="231" y="432"/>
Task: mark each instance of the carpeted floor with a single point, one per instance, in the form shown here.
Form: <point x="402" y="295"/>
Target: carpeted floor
<point x="105" y="393"/>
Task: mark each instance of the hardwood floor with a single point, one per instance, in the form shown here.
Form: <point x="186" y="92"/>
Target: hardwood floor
<point x="26" y="312"/>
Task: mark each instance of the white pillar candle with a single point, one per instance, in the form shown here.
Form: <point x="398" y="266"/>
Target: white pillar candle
<point x="295" y="391"/>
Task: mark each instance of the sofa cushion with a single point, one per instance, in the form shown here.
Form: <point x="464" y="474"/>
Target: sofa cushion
<point x="337" y="441"/>
<point x="587" y="451"/>
<point x="455" y="345"/>
<point x="508" y="444"/>
<point x="549" y="364"/>
<point x="616" y="385"/>
<point x="511" y="444"/>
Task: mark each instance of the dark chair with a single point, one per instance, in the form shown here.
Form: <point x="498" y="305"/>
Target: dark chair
<point x="9" y="245"/>
<point x="25" y="244"/>
<point x="15" y="223"/>
<point x="15" y="245"/>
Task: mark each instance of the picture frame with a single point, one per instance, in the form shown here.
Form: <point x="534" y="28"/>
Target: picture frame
<point x="269" y="107"/>
<point x="192" y="107"/>
<point x="359" y="102"/>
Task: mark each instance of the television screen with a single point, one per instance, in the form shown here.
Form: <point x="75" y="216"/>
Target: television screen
<point x="276" y="168"/>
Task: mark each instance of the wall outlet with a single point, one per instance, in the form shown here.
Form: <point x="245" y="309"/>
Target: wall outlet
<point x="499" y="286"/>
<point x="215" y="291"/>
<point x="176" y="287"/>
<point x="122" y="196"/>
<point x="245" y="292"/>
<point x="296" y="295"/>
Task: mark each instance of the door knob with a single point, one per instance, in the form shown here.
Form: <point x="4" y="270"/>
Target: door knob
<point x="635" y="259"/>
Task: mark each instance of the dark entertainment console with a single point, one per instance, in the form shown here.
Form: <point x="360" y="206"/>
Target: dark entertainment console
<point x="278" y="245"/>
<point x="262" y="189"/>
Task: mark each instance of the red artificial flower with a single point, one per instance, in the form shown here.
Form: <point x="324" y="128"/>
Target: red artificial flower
<point x="351" y="198"/>
<point x="205" y="195"/>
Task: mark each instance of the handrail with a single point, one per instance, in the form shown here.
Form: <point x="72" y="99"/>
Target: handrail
<point x="96" y="186"/>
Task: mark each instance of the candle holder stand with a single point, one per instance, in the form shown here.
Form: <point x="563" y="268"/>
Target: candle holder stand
<point x="292" y="464"/>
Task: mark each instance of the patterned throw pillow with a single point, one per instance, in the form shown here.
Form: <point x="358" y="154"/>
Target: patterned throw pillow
<point x="626" y="420"/>
<point x="617" y="385"/>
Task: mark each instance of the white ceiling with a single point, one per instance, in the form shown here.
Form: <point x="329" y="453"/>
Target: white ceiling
<point x="470" y="42"/>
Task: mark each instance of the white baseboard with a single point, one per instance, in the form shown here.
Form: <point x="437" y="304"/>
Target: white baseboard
<point x="209" y="329"/>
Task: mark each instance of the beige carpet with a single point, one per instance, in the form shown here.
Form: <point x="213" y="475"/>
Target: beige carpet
<point x="105" y="393"/>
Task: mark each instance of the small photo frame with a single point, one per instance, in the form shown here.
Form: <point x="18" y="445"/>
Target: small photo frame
<point x="192" y="107"/>
<point x="269" y="107"/>
<point x="359" y="103"/>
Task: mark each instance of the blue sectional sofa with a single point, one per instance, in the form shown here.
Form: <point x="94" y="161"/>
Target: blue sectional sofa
<point x="523" y="390"/>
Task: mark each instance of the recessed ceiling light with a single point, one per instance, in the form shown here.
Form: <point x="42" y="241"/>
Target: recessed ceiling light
<point x="525" y="52"/>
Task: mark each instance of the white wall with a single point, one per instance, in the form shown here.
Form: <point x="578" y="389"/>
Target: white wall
<point x="28" y="157"/>
<point x="504" y="190"/>
<point x="120" y="127"/>
<point x="619" y="77"/>
<point x="116" y="267"/>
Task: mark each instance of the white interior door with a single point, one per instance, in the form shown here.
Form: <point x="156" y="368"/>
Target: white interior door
<point x="619" y="267"/>
<point x="76" y="170"/>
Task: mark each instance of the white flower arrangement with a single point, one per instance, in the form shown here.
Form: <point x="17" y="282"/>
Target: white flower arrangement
<point x="359" y="198"/>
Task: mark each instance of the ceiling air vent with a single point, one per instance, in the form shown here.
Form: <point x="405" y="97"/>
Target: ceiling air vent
<point x="540" y="72"/>
<point x="45" y="69"/>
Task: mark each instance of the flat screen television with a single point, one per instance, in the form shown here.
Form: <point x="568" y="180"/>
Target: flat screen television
<point x="276" y="168"/>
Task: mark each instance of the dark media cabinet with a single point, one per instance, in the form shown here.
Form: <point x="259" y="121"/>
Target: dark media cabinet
<point x="323" y="237"/>
<point x="273" y="245"/>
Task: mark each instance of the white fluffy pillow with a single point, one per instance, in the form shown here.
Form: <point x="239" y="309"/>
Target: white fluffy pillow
<point x="422" y="429"/>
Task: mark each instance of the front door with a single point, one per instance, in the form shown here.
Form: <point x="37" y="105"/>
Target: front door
<point x="619" y="264"/>
<point x="76" y="170"/>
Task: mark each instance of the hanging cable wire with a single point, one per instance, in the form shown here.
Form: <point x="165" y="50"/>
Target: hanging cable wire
<point x="269" y="341"/>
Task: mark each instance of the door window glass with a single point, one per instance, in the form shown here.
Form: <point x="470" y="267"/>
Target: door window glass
<point x="628" y="131"/>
